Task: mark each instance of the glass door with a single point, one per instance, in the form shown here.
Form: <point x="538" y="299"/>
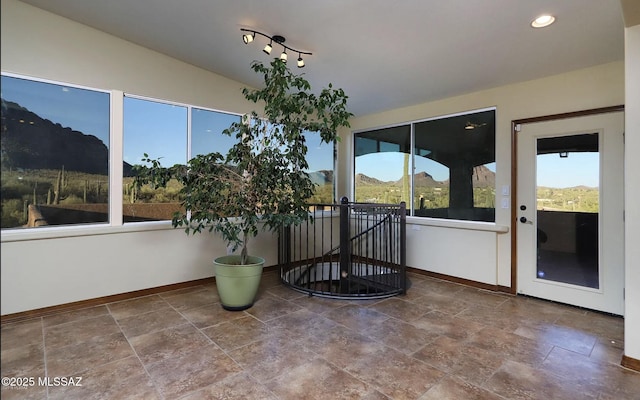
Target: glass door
<point x="567" y="209"/>
<point x="569" y="225"/>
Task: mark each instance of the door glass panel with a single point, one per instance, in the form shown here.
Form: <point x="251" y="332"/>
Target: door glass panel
<point x="567" y="197"/>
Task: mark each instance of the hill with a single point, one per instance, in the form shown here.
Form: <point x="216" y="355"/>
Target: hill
<point x="362" y="179"/>
<point x="482" y="177"/>
<point x="43" y="144"/>
<point x="423" y="179"/>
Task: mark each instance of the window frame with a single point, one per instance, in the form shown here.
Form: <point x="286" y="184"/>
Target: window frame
<point x="54" y="230"/>
<point x="427" y="220"/>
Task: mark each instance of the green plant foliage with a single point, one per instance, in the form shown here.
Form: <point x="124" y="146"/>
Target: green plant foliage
<point x="261" y="182"/>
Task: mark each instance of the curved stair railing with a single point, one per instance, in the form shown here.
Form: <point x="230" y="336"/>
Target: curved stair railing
<point x="336" y="250"/>
<point x="347" y="250"/>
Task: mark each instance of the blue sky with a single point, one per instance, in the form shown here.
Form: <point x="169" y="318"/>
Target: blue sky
<point x="158" y="129"/>
<point x="575" y="170"/>
<point x="53" y="102"/>
<point x="146" y="121"/>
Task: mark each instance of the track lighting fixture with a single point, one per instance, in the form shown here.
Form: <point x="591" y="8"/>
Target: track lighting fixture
<point x="470" y="125"/>
<point x="251" y="34"/>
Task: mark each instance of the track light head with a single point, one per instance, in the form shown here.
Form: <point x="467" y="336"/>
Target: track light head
<point x="300" y="61"/>
<point x="248" y="38"/>
<point x="283" y="56"/>
<point x="267" y="48"/>
<point x="470" y="125"/>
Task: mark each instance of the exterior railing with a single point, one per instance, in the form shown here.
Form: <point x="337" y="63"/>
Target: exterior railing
<point x="347" y="250"/>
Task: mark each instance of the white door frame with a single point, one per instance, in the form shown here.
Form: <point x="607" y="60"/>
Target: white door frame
<point x="514" y="176"/>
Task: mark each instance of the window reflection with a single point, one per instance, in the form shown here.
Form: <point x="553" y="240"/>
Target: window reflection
<point x="321" y="159"/>
<point x="206" y="131"/>
<point x="382" y="165"/>
<point x="55" y="154"/>
<point x="448" y="173"/>
<point x="159" y="130"/>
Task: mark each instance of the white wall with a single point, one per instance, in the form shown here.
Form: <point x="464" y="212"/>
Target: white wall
<point x="632" y="193"/>
<point x="477" y="251"/>
<point x="474" y="256"/>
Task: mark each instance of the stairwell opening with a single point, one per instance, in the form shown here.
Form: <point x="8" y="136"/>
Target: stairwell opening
<point x="347" y="250"/>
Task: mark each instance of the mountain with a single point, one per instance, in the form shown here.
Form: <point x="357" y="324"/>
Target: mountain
<point x="42" y="144"/>
<point x="423" y="179"/>
<point x="483" y="177"/>
<point x="362" y="179"/>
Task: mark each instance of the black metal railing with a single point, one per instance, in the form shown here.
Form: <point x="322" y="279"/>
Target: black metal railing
<point x="347" y="250"/>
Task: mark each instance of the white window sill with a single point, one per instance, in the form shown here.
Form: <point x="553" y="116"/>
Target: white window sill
<point x="458" y="224"/>
<point x="57" y="232"/>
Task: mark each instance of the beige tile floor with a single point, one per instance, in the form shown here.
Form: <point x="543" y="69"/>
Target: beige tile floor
<point x="440" y="341"/>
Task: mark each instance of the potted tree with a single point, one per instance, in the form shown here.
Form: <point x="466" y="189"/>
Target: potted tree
<point x="261" y="182"/>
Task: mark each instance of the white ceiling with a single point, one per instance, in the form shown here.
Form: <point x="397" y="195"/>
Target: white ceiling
<point x="385" y="54"/>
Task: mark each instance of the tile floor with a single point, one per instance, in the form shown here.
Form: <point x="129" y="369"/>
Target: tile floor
<point x="440" y="341"/>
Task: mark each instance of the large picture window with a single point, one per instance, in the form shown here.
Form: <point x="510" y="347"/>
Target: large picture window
<point x="55" y="154"/>
<point x="161" y="130"/>
<point x="442" y="167"/>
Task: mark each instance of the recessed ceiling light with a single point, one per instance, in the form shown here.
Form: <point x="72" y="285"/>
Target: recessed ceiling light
<point x="542" y="21"/>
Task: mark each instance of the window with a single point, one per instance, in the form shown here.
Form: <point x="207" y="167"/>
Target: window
<point x="321" y="158"/>
<point x="161" y="130"/>
<point x="321" y="162"/>
<point x="55" y="154"/>
<point x="442" y="167"/>
<point x="206" y="131"/>
<point x="382" y="165"/>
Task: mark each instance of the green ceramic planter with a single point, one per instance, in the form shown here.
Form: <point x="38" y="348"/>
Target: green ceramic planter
<point x="237" y="284"/>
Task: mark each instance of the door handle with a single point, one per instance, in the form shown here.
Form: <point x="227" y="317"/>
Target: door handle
<point x="525" y="221"/>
